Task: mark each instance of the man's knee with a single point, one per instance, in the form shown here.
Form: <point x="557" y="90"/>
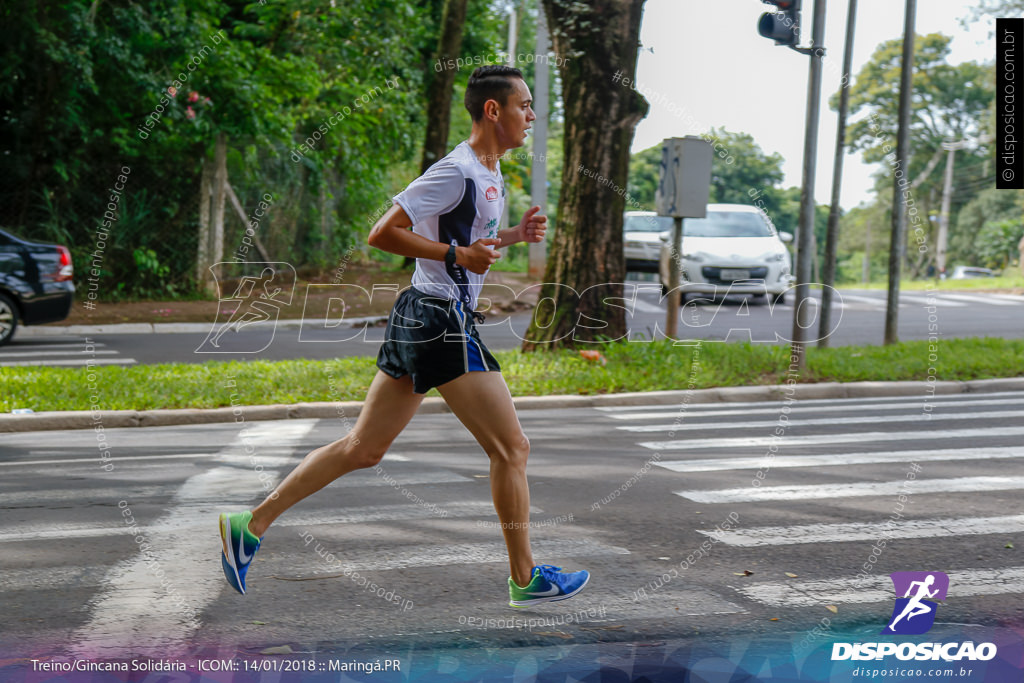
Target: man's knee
<point x="369" y="455"/>
<point x="360" y="454"/>
<point x="513" y="452"/>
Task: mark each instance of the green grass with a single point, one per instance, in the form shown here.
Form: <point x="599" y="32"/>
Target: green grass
<point x="629" y="367"/>
<point x="1009" y="281"/>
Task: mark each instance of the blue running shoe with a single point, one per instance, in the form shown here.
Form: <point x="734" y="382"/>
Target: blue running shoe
<point x="240" y="545"/>
<point x="548" y="584"/>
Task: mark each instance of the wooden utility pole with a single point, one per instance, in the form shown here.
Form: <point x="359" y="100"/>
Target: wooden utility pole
<point x="947" y="199"/>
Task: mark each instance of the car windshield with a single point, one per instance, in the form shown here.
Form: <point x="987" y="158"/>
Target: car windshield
<point x="727" y="224"/>
<point x="647" y="224"/>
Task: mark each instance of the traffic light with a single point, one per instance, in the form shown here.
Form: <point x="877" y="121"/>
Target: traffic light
<point x="783" y="25"/>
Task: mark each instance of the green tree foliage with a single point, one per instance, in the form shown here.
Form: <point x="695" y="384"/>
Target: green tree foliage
<point x="979" y="218"/>
<point x="86" y="90"/>
<point x="950" y="102"/>
<point x="997" y="242"/>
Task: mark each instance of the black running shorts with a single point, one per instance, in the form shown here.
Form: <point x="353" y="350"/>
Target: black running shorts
<point x="433" y="339"/>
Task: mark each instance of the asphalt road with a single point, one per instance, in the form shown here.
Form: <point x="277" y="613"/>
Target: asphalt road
<point x="806" y="498"/>
<point x="859" y="318"/>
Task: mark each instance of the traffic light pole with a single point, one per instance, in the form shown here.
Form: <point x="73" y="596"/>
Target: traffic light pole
<point x="805" y="233"/>
<point x="828" y="275"/>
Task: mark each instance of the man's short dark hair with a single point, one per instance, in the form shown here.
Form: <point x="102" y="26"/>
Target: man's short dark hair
<point x="491" y="82"/>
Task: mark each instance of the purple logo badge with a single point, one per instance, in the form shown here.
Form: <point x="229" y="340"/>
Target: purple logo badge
<point x="916" y="596"/>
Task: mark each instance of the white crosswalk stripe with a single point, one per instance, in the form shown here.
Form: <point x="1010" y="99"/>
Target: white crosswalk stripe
<point x="798" y="407"/>
<point x="853" y="490"/>
<point x="845" y="533"/>
<point x="839" y="421"/>
<point x="983" y="299"/>
<point x="60" y="352"/>
<point x="816" y="440"/>
<point x="879" y="588"/>
<point x="919" y="301"/>
<point x="839" y="460"/>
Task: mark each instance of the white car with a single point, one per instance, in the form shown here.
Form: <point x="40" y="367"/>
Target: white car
<point x="641" y="232"/>
<point x="735" y="250"/>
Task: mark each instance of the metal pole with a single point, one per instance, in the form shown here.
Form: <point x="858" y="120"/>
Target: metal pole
<point x="828" y="274"/>
<point x="513" y="28"/>
<point x="537" y="253"/>
<point x="801" y="313"/>
<point x="898" y="242"/>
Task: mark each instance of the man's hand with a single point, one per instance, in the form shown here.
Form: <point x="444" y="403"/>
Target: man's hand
<point x="533" y="226"/>
<point x="479" y="256"/>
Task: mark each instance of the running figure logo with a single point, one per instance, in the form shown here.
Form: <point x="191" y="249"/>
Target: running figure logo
<point x="254" y="300"/>
<point x="914" y="612"/>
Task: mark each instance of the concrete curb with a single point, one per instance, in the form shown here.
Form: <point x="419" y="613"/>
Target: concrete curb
<point x="173" y="328"/>
<point x="111" y="419"/>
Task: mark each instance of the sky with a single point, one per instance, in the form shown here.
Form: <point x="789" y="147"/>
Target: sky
<point x="710" y="67"/>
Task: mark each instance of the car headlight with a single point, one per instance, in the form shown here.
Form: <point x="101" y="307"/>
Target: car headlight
<point x="775" y="258"/>
<point x="696" y="258"/>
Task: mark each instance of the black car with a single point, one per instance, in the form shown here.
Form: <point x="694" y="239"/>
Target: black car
<point x="35" y="283"/>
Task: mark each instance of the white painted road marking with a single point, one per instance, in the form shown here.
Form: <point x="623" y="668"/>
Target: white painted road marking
<point x="824" y="439"/>
<point x="434" y="555"/>
<point x="353" y="515"/>
<point x="144" y="606"/>
<point x="749" y="494"/>
<point x="840" y="459"/>
<point x="843" y="533"/>
<point x="829" y="421"/>
<point x="879" y="588"/>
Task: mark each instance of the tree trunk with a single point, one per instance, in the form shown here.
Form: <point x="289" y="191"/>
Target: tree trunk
<point x="220" y="195"/>
<point x="442" y="82"/>
<point x="212" y="197"/>
<point x="203" y="252"/>
<point x="597" y="43"/>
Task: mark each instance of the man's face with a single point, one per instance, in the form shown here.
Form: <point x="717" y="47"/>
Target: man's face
<point x="515" y="116"/>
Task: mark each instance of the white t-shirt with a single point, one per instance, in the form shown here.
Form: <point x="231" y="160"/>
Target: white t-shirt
<point x="457" y="201"/>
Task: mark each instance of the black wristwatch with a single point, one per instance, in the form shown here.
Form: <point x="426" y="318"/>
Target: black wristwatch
<point x="449" y="258"/>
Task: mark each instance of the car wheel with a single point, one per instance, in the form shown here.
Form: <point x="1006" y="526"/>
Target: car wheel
<point x="778" y="298"/>
<point x="8" y="319"/>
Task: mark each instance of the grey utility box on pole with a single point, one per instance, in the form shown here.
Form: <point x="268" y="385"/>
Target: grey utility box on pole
<point x="682" y="193"/>
<point x="685" y="177"/>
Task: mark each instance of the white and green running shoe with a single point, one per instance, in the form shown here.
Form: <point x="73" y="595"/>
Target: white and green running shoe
<point x="240" y="545"/>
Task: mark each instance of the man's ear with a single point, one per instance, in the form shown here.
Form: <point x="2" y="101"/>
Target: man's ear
<point x="491" y="109"/>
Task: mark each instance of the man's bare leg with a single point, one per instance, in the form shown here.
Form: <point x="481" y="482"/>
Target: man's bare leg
<point x="482" y="403"/>
<point x="390" y="404"/>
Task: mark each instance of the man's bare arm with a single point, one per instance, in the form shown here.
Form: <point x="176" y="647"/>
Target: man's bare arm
<point x="392" y="234"/>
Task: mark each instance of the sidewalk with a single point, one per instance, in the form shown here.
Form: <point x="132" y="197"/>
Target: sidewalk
<point x="112" y="419"/>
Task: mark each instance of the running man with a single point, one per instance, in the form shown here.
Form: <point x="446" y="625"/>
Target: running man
<point x="432" y="341"/>
<point x="915" y="607"/>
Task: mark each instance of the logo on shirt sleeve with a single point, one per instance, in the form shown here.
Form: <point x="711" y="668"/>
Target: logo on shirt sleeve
<point x="491" y="193"/>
